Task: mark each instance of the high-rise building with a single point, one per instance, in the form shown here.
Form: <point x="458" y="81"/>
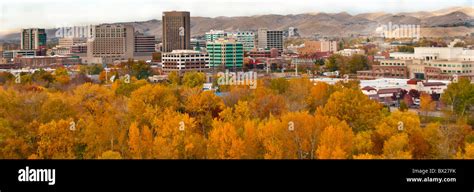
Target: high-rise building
<point x="33" y="39"/>
<point x="176" y="30"/>
<point x="183" y="61"/>
<point x="225" y="53"/>
<point x="111" y="42"/>
<point x="247" y="38"/>
<point x="214" y="35"/>
<point x="268" y="39"/>
<point x="262" y="38"/>
<point x="275" y="40"/>
<point x="144" y="43"/>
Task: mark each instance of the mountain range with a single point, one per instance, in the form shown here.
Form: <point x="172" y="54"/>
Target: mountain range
<point x="453" y="21"/>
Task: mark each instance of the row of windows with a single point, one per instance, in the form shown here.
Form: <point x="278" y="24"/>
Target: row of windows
<point x="453" y="71"/>
<point x="187" y="67"/>
<point x="452" y="65"/>
<point x="393" y="64"/>
<point x="182" y="56"/>
<point x="178" y="59"/>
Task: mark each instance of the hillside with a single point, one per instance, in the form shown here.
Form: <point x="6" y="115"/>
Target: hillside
<point x="327" y="24"/>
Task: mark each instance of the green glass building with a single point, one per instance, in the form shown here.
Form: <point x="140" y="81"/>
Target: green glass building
<point x="225" y="54"/>
<point x="247" y="38"/>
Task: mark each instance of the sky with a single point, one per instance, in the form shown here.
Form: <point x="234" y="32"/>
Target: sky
<point x="17" y="14"/>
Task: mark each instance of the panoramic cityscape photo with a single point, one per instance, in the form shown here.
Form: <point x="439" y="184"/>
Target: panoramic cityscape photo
<point x="324" y="84"/>
<point x="236" y="79"/>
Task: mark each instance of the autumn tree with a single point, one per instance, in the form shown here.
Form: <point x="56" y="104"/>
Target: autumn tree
<point x="356" y="63"/>
<point x="298" y="91"/>
<point x="140" y="142"/>
<point x="177" y="137"/>
<point x="236" y="94"/>
<point x="12" y="146"/>
<point x="134" y="141"/>
<point x="61" y="75"/>
<point x="56" y="140"/>
<point x="468" y="152"/>
<point x="397" y="147"/>
<point x="56" y="107"/>
<point x="363" y="143"/>
<point x="203" y="106"/>
<point x="194" y="79"/>
<point x="149" y="101"/>
<point x="318" y="96"/>
<point x="355" y="108"/>
<point x="401" y="122"/>
<point x="101" y="121"/>
<point x="122" y="87"/>
<point x="252" y="142"/>
<point x="279" y="85"/>
<point x="265" y="102"/>
<point x="174" y="78"/>
<point x="460" y="96"/>
<point x="335" y="62"/>
<point x="336" y="142"/>
<point x="455" y="135"/>
<point x="224" y="143"/>
<point x="426" y="104"/>
<point x="436" y="140"/>
<point x="295" y="136"/>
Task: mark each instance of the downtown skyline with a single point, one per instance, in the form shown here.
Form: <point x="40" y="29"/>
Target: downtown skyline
<point x="19" y="14"/>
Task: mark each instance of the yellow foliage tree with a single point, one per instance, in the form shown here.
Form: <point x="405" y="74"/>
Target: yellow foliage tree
<point x="295" y="136"/>
<point x="319" y="95"/>
<point x="134" y="141"/>
<point x="336" y="142"/>
<point x="204" y="106"/>
<point x="352" y="106"/>
<point x="393" y="124"/>
<point x="363" y="143"/>
<point x="426" y="104"/>
<point x="224" y="143"/>
<point x="177" y="137"/>
<point x="56" y="140"/>
<point x="397" y="147"/>
<point x="149" y="101"/>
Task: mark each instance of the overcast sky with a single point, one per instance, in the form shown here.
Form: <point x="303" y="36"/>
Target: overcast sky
<point x="17" y="14"/>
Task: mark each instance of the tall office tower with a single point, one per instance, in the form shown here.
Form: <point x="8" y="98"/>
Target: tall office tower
<point x="247" y="38"/>
<point x="33" y="38"/>
<point x="176" y="30"/>
<point x="214" y="35"/>
<point x="225" y="54"/>
<point x="275" y="40"/>
<point x="111" y="42"/>
<point x="270" y="39"/>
